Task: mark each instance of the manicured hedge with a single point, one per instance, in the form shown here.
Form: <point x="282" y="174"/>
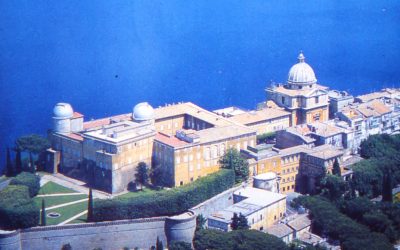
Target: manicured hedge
<point x="30" y="180"/>
<point x="165" y="202"/>
<point x="17" y="209"/>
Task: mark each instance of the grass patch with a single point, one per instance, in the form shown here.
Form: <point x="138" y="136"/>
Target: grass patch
<point x="81" y="219"/>
<point x="57" y="200"/>
<point x="66" y="212"/>
<point x="54" y="188"/>
<point x="145" y="191"/>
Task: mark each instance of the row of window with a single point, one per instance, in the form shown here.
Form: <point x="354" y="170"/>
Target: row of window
<point x="284" y="189"/>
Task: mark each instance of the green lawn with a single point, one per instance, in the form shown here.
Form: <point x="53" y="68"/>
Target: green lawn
<point x="66" y="212"/>
<point x="81" y="219"/>
<point x="56" y="200"/>
<point x="53" y="188"/>
<point x="145" y="191"/>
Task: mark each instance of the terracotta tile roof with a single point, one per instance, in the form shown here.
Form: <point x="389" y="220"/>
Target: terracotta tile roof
<point x="189" y="108"/>
<point x="105" y="121"/>
<point x="75" y="136"/>
<point x="259" y="115"/>
<point x="172" y="141"/>
<point x="373" y="108"/>
<point x="77" y="115"/>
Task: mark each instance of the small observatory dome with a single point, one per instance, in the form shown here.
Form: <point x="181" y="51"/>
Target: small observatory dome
<point x="266" y="181"/>
<point x="301" y="73"/>
<point x="62" y="114"/>
<point x="143" y="112"/>
<point x="62" y="110"/>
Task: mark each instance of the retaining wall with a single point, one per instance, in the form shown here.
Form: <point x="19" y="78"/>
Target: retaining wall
<point x="141" y="233"/>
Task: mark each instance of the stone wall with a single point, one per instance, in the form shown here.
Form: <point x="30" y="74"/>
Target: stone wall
<point x="141" y="233"/>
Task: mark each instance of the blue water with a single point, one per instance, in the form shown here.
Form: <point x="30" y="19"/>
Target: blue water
<point x="103" y="57"/>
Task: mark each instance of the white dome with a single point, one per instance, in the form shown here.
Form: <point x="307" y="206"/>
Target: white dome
<point x="62" y="111"/>
<point x="301" y="73"/>
<point x="143" y="111"/>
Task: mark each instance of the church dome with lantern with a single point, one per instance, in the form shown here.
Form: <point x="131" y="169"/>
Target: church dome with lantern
<point x="301" y="74"/>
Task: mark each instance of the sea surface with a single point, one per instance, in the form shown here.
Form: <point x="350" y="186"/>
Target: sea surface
<point x="105" y="56"/>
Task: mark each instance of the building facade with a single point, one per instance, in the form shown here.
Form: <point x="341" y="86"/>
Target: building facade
<point x="301" y="95"/>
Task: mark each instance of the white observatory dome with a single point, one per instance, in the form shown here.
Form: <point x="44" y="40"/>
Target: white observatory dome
<point x="301" y="73"/>
<point x="143" y="112"/>
<point x="62" y="111"/>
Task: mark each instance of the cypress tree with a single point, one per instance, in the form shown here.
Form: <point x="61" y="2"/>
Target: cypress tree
<point x="90" y="206"/>
<point x="9" y="166"/>
<point x="43" y="214"/>
<point x="159" y="244"/>
<point x="387" y="194"/>
<point x="235" y="222"/>
<point x="336" y="168"/>
<point x="18" y="161"/>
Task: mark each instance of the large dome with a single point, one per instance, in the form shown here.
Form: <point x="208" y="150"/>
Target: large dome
<point x="62" y="111"/>
<point x="143" y="111"/>
<point x="301" y="73"/>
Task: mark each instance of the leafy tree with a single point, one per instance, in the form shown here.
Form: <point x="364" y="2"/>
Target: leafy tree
<point x="32" y="144"/>
<point x="142" y="174"/>
<point x="336" y="168"/>
<point x="179" y="245"/>
<point x="159" y="244"/>
<point x="332" y="187"/>
<point x="43" y="214"/>
<point x="235" y="222"/>
<point x="17" y="208"/>
<point x="233" y="160"/>
<point x="9" y="166"/>
<point x="18" y="161"/>
<point x="30" y="180"/>
<point x="90" y="206"/>
<point x="357" y="207"/>
<point x="367" y="178"/>
<point x="243" y="224"/>
<point x="387" y="194"/>
<point x="200" y="222"/>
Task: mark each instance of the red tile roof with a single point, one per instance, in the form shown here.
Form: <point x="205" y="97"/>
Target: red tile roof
<point x="75" y="136"/>
<point x="170" y="140"/>
<point x="77" y="115"/>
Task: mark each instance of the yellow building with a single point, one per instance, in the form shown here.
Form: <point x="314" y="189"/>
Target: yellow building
<point x="301" y="95"/>
<point x="104" y="152"/>
<point x="193" y="150"/>
<point x="261" y="208"/>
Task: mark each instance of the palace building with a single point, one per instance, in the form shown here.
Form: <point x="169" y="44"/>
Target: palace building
<point x="183" y="140"/>
<point x="306" y="100"/>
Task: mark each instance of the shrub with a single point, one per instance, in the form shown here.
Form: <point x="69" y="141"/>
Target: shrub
<point x="17" y="209"/>
<point x="179" y="245"/>
<point x="29" y="180"/>
<point x="238" y="239"/>
<point x="165" y="202"/>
